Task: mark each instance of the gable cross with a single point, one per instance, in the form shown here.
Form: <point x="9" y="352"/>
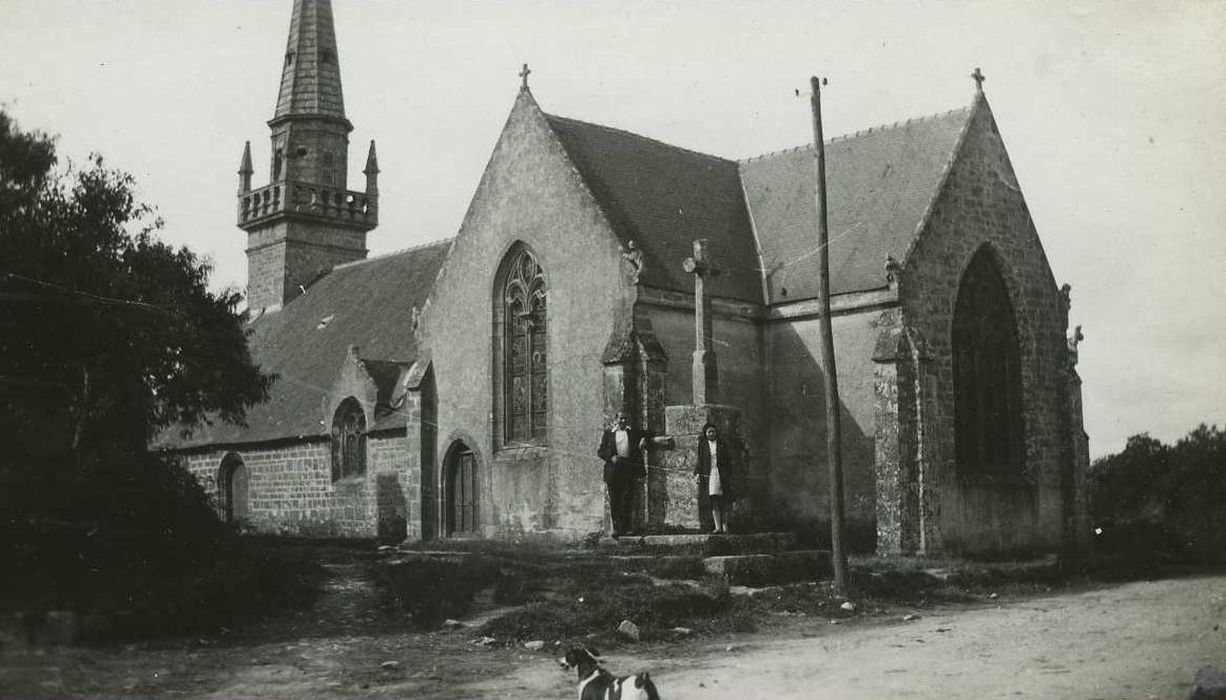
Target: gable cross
<point x="523" y="74"/>
<point x="978" y="77"/>
<point x="705" y="372"/>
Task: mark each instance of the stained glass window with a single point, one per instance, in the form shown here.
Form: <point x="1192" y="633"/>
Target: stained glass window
<point x="524" y="358"/>
<point x="348" y="440"/>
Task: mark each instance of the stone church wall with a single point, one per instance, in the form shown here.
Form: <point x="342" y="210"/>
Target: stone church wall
<point x="799" y="471"/>
<point x="980" y="204"/>
<point x="290" y="488"/>
<point x="530" y="193"/>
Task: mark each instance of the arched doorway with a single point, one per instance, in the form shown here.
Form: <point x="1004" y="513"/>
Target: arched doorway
<point x="988" y="428"/>
<point x="461" y="492"/>
<point x="232" y="488"/>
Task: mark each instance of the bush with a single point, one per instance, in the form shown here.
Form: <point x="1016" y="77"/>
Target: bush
<point x="1156" y="501"/>
<point x="134" y="540"/>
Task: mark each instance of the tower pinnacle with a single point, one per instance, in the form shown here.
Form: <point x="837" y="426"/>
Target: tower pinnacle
<point x="372" y="171"/>
<point x="245" y="170"/>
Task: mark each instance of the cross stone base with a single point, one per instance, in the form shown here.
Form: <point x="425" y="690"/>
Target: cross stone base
<point x="684" y="507"/>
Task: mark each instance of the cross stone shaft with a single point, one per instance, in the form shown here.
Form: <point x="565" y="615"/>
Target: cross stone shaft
<point x="705" y="372"/>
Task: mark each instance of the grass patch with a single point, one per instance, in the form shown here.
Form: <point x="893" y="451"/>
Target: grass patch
<point x="593" y="610"/>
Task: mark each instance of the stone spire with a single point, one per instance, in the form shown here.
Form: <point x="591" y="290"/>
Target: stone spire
<point x="306" y="220"/>
<point x="311" y="75"/>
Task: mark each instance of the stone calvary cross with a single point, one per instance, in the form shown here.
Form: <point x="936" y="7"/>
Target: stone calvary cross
<point x="705" y="374"/>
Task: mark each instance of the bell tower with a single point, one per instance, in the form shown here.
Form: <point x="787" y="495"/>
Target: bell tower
<point x="306" y="220"/>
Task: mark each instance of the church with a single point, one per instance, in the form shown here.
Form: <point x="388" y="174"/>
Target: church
<point x="459" y="389"/>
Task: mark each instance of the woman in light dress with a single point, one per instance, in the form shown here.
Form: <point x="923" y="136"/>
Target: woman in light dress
<point x="713" y="472"/>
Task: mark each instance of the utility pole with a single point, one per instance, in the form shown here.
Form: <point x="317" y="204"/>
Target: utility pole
<point x="834" y="446"/>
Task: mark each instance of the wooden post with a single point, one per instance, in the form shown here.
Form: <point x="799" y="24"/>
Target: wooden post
<point x="834" y="447"/>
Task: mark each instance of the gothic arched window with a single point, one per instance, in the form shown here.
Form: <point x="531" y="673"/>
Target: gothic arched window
<point x="988" y="429"/>
<point x="521" y="349"/>
<point x="348" y="440"/>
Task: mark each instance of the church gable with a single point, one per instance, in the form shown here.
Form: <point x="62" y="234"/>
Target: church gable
<point x="516" y="324"/>
<point x="976" y="288"/>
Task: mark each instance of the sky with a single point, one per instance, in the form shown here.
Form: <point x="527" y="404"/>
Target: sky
<point x="1112" y="112"/>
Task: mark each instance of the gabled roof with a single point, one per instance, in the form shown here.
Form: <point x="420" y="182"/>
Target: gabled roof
<point x="367" y="303"/>
<point x="759" y="214"/>
<point x="880" y="185"/>
<point x="663" y="198"/>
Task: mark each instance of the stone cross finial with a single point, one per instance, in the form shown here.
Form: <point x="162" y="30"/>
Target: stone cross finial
<point x="978" y="77"/>
<point x="523" y="74"/>
<point x="705" y="373"/>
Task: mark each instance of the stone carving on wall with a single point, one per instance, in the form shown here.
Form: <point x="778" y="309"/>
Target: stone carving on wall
<point x="633" y="255"/>
<point x="1073" y="341"/>
<point x="893" y="271"/>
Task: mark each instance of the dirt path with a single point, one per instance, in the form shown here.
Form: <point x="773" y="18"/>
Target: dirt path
<point x="1138" y="640"/>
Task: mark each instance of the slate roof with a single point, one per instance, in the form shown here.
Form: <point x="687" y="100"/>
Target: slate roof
<point x="368" y="304"/>
<point x="759" y="214"/>
<point x="663" y="197"/>
<point x="880" y="184"/>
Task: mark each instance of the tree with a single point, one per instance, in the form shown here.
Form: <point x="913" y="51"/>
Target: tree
<point x="1164" y="500"/>
<point x="107" y="334"/>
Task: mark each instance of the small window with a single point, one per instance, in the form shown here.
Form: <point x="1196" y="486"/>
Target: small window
<point x="329" y="172"/>
<point x="326" y="56"/>
<point x="278" y="158"/>
<point x="348" y="440"/>
<point x="289" y="58"/>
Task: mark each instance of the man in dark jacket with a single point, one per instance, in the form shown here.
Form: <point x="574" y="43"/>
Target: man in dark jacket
<point x="622" y="449"/>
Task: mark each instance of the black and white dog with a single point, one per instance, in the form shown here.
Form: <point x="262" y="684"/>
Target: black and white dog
<point x="595" y="683"/>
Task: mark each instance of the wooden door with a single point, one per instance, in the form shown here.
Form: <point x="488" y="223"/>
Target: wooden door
<point x="234" y="490"/>
<point x="463" y="495"/>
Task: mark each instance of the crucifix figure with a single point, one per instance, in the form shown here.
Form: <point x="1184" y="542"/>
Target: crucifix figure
<point x="704" y="370"/>
<point x="523" y="74"/>
<point x="978" y="77"/>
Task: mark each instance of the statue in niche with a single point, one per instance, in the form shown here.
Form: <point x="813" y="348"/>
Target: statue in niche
<point x="633" y="255"/>
<point x="1073" y="341"/>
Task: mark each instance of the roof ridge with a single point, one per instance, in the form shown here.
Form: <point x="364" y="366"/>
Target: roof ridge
<point x="641" y="137"/>
<point x="861" y="132"/>
<point x="393" y="253"/>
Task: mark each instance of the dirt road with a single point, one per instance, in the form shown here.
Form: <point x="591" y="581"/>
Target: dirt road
<point x="1137" y="640"/>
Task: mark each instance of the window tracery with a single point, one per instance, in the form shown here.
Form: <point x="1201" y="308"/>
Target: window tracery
<point x="524" y="346"/>
<point x="348" y="440"/>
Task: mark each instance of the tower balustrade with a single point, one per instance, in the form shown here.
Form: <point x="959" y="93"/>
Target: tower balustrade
<point x="346" y="207"/>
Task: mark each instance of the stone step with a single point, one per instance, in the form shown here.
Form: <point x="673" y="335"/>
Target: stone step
<point x="679" y="566"/>
<point x="780" y="567"/>
<point x="704" y="544"/>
